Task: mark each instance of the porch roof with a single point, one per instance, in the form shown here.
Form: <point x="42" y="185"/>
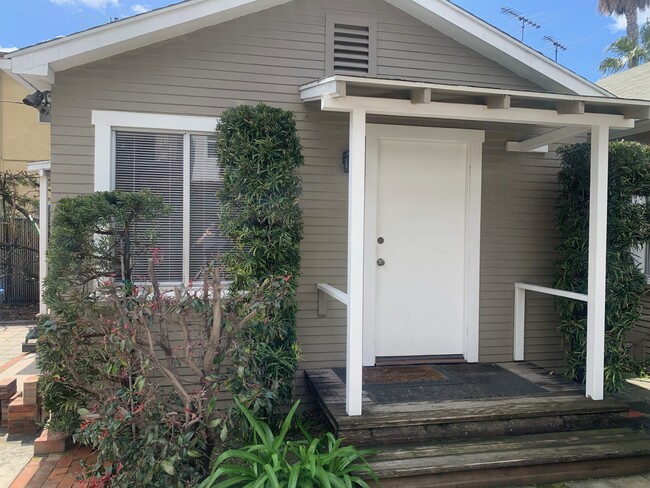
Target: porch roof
<point x="475" y="103"/>
<point x="344" y="85"/>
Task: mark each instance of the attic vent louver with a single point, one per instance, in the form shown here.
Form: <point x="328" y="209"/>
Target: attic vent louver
<point x="352" y="46"/>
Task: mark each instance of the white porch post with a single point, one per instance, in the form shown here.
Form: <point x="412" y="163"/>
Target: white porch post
<point x="595" y="369"/>
<point x="44" y="225"/>
<point x="356" y="204"/>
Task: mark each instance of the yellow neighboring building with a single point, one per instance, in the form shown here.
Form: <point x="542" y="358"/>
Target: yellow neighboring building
<point x="24" y="138"/>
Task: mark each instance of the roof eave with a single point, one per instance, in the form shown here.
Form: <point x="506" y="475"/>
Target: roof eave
<point x="38" y="64"/>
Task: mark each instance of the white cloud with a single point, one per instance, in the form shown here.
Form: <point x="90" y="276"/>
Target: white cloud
<point x="140" y="8"/>
<point x="96" y="4"/>
<point x="7" y="49"/>
<point x="619" y="24"/>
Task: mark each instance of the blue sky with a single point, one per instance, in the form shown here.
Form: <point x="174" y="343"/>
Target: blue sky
<point x="575" y="23"/>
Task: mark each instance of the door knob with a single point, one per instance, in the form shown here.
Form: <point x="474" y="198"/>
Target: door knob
<point x="380" y="262"/>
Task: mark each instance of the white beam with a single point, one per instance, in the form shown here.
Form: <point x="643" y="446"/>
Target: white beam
<point x="514" y="146"/>
<point x="460" y="111"/>
<point x="333" y="87"/>
<point x="520" y="323"/>
<point x="595" y="368"/>
<point x="356" y="225"/>
<point x="421" y="95"/>
<point x="571" y="107"/>
<point x="498" y="101"/>
<point x="530" y="145"/>
<point x="44" y="225"/>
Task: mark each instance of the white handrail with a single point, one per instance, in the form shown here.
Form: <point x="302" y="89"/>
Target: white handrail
<point x="520" y="311"/>
<point x="325" y="291"/>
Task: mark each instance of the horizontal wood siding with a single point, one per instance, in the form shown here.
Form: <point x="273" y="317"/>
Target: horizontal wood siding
<point x="266" y="57"/>
<point x="518" y="245"/>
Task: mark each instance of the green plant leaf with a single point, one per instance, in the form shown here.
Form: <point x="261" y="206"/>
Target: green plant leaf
<point x="286" y="425"/>
<point x="168" y="467"/>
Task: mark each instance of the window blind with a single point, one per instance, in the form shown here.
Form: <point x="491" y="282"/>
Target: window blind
<point x="206" y="240"/>
<point x="145" y="160"/>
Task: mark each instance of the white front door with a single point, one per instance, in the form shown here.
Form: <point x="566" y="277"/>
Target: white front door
<point x="419" y="183"/>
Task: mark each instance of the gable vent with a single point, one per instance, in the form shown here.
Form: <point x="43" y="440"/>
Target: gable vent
<point x="352" y="47"/>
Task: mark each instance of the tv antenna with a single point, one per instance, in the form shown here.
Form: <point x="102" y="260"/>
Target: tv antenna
<point x="525" y="21"/>
<point x="558" y="45"/>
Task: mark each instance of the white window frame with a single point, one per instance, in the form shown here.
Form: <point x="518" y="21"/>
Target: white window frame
<point x="106" y="122"/>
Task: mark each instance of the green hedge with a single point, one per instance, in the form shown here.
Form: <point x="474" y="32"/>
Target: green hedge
<point x="628" y="229"/>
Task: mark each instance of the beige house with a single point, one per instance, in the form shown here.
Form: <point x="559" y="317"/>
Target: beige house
<point x="394" y="82"/>
<point x="429" y="186"/>
<point x="24" y="135"/>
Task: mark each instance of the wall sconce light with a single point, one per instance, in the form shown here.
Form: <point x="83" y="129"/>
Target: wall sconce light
<point x="345" y="161"/>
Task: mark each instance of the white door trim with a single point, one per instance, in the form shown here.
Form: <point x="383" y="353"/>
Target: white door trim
<point x="474" y="140"/>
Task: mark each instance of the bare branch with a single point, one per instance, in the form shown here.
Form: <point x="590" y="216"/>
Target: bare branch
<point x="168" y="373"/>
<point x="215" y="332"/>
<point x="188" y="358"/>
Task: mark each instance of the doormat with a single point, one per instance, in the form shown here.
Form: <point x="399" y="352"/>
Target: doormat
<point x="378" y="375"/>
<point x="457" y="382"/>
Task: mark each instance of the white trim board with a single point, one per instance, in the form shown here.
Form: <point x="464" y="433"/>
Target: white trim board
<point x="474" y="139"/>
<point x="38" y="64"/>
<point x="106" y="121"/>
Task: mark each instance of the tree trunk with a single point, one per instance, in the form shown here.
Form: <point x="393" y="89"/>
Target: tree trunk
<point x="631" y="16"/>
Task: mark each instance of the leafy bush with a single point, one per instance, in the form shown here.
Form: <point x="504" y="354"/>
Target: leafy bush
<point x="259" y="150"/>
<point x="627" y="230"/>
<point x="277" y="462"/>
<point x="134" y="370"/>
<point x="92" y="237"/>
<point x="139" y="442"/>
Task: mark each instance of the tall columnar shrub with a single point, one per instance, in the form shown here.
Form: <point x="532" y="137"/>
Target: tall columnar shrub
<point x="259" y="150"/>
<point x="627" y="230"/>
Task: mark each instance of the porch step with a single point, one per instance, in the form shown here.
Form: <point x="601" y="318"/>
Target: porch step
<point x="515" y="460"/>
<point x="428" y="421"/>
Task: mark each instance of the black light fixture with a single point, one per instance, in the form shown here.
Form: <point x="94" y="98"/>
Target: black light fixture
<point x="40" y="101"/>
<point x="345" y="161"/>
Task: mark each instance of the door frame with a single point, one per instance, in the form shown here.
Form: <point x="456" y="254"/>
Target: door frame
<point x="474" y="140"/>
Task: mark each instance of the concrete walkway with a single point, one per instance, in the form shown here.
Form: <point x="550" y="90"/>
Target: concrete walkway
<point x="15" y="450"/>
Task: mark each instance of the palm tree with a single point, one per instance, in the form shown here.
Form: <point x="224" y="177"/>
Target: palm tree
<point x="630" y="9"/>
<point x="627" y="54"/>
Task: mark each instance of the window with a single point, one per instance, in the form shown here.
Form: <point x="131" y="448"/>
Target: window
<point x="173" y="156"/>
<point x="351" y="46"/>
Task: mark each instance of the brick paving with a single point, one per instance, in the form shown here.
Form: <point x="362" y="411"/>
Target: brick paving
<point x="55" y="470"/>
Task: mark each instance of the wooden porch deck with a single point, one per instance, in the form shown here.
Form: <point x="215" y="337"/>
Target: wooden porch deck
<point x="551" y="435"/>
